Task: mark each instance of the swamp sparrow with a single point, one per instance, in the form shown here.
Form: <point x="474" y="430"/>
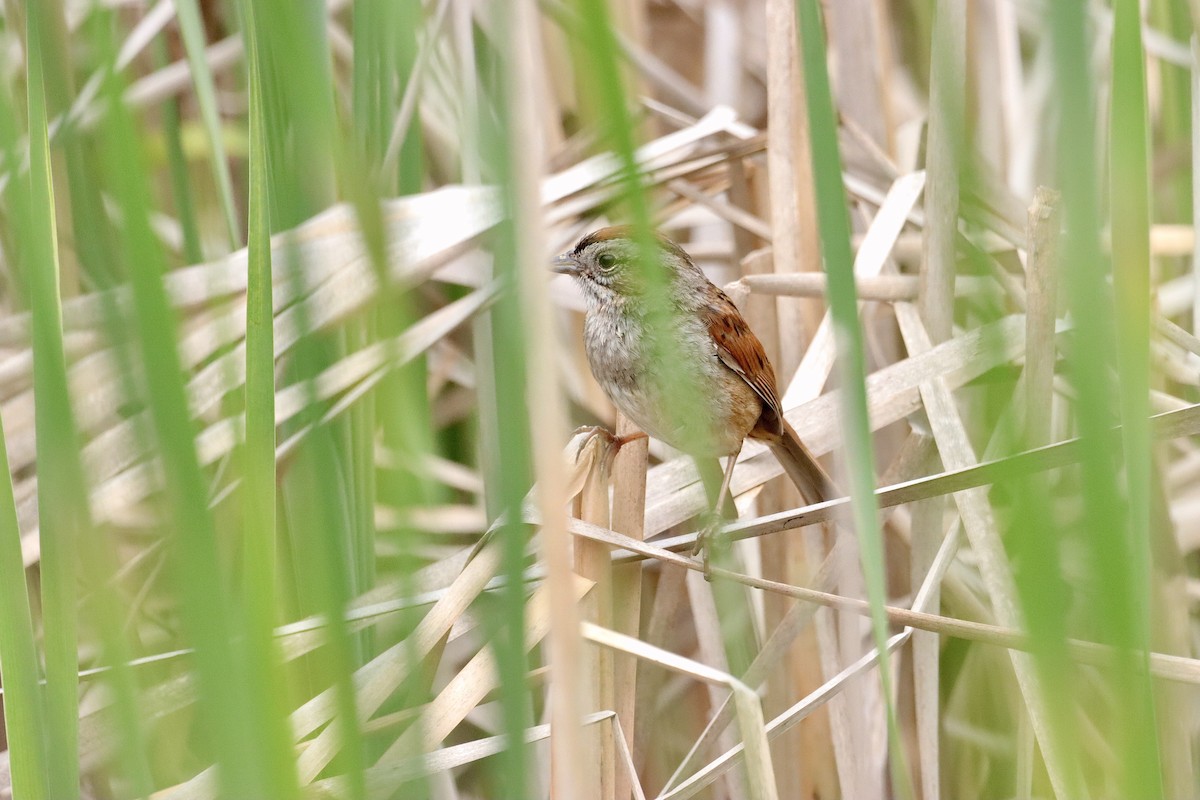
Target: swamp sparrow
<point x="710" y="385"/>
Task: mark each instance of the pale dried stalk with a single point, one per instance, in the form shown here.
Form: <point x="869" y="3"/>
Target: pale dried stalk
<point x="857" y="759"/>
<point x="791" y="624"/>
<point x="888" y="288"/>
<point x="947" y="96"/>
<point x="628" y="517"/>
<point x="1041" y="314"/>
<point x="710" y="641"/>
<point x="1014" y="117"/>
<point x="571" y="771"/>
<point x="833" y="687"/>
<point x="927" y="523"/>
<point x="860" y="44"/>
<point x="121" y="481"/>
<point x="793" y="212"/>
<point x="381" y="781"/>
<point x="374" y="682"/>
<point x="593" y="562"/>
<point x="1038" y="379"/>
<point x="629" y="769"/>
<point x="1164" y="666"/>
<point x="1183" y="420"/>
<point x="839" y="644"/>
<point x="749" y="712"/>
<point x="730" y="213"/>
<point x="869" y="261"/>
<point x="471" y="684"/>
<point x="782" y="558"/>
<point x="784" y="722"/>
<point x="670" y="593"/>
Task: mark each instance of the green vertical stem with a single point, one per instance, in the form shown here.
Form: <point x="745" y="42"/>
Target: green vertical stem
<point x="843" y="304"/>
<point x="946" y="101"/>
<point x="102" y="608"/>
<point x="410" y="165"/>
<point x="211" y="619"/>
<point x="61" y="489"/>
<point x="1130" y="209"/>
<point x="1117" y="610"/>
<point x="258" y="497"/>
<point x="509" y="477"/>
<point x="23" y="718"/>
<point x="181" y="191"/>
<point x="319" y="488"/>
<point x="191" y="28"/>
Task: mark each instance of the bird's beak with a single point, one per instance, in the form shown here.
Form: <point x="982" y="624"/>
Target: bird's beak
<point x="566" y="264"/>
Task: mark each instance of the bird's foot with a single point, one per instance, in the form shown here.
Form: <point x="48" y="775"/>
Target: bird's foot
<point x="586" y="433"/>
<point x="709" y="538"/>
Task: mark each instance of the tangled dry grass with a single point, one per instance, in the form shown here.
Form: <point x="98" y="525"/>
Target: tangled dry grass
<point x="1035" y="567"/>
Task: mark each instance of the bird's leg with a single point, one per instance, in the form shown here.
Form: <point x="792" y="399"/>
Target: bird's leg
<point x="712" y="519"/>
<point x="615" y="443"/>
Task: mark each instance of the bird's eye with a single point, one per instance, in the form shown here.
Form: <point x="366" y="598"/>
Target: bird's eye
<point x="607" y="262"/>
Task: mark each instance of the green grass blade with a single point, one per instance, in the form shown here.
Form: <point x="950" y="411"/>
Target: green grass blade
<point x="191" y="27"/>
<point x="1124" y="568"/>
<point x="231" y="728"/>
<point x="320" y="488"/>
<point x="1106" y="512"/>
<point x="23" y="718"/>
<point x="61" y="490"/>
<point x="181" y="191"/>
<point x="260" y="562"/>
<point x="64" y="513"/>
<point x="24" y="713"/>
<point x="508" y="476"/>
<point x="843" y="303"/>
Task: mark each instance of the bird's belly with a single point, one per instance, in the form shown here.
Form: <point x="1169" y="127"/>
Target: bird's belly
<point x="707" y="411"/>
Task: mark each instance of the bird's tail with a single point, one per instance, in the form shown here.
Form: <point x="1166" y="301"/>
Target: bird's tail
<point x="802" y="467"/>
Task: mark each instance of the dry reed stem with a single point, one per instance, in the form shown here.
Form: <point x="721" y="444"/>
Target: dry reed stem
<point x="793" y="211"/>
<point x="1041" y="315"/>
<point x="698" y="164"/>
<point x="887" y="288"/>
<point x="572" y="775"/>
<point x="711" y="650"/>
<point x="628" y="517"/>
<point x="860" y="40"/>
<point x="593" y="562"/>
<point x="928" y="521"/>
<point x="1164" y="666"/>
<point x="474" y="681"/>
<point x="749" y="712"/>
<point x="766" y="662"/>
<point x="383" y="780"/>
<point x="947" y="98"/>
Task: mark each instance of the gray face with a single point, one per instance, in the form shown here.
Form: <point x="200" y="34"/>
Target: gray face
<point x="610" y="267"/>
<point x="606" y="269"/>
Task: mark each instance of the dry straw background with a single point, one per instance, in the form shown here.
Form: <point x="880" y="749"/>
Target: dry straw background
<point x="287" y="394"/>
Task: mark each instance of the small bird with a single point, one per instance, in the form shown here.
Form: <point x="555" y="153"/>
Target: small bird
<point x="696" y="376"/>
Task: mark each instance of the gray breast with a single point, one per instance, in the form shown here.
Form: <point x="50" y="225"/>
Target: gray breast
<point x="670" y="404"/>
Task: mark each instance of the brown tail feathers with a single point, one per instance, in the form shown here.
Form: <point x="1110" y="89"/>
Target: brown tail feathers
<point x="802" y="467"/>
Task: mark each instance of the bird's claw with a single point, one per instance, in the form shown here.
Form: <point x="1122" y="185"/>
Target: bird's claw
<point x="707" y="538"/>
<point x="585" y="433"/>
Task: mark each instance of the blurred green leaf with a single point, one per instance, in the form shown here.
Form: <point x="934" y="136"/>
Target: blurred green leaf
<point x="852" y="369"/>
